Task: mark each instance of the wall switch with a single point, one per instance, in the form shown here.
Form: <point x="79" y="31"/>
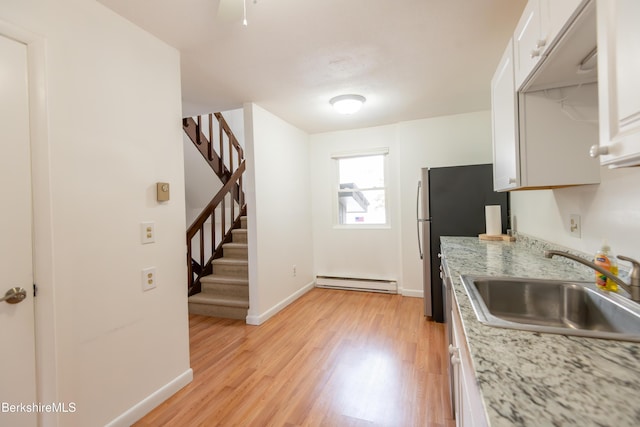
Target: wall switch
<point x="147" y="232"/>
<point x="295" y="270"/>
<point x="148" y="278"/>
<point x="574" y="225"/>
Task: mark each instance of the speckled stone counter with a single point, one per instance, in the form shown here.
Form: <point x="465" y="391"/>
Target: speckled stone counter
<point x="534" y="379"/>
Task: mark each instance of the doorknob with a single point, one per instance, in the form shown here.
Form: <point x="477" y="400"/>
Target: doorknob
<point x="14" y="295"/>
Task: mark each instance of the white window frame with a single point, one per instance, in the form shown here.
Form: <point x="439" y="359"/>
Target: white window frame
<point x="336" y="157"/>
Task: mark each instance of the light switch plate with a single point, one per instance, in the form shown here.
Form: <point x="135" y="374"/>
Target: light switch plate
<point x="147" y="232"/>
<point x="148" y="278"/>
<point x="575" y="229"/>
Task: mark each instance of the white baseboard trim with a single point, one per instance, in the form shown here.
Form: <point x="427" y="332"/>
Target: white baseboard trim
<point x="412" y="293"/>
<point x="260" y="319"/>
<point x="146" y="405"/>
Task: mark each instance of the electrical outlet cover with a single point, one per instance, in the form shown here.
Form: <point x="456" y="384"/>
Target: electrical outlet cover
<point x="147" y="232"/>
<point x="148" y="278"/>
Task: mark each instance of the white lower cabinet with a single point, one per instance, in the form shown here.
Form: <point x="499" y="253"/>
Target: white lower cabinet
<point x="468" y="402"/>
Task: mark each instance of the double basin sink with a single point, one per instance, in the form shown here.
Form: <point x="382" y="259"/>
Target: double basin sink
<point x="553" y="306"/>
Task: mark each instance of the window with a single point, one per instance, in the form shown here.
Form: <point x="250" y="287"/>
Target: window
<point x="361" y="189"/>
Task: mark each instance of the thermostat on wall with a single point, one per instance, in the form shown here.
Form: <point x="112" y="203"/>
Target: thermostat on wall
<point x="162" y="190"/>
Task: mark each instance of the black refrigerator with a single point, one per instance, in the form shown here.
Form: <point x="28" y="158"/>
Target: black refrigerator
<point x="451" y="202"/>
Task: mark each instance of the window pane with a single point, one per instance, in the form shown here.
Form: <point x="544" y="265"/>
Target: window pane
<point x="362" y="207"/>
<point x="364" y="172"/>
<point x="361" y="193"/>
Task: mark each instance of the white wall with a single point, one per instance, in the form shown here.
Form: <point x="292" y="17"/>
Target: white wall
<point x="390" y="253"/>
<point x="111" y="130"/>
<point x="608" y="210"/>
<point x="279" y="213"/>
<point x="353" y="252"/>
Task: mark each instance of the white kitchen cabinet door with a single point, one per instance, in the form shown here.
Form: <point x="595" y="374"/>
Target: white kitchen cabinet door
<point x="470" y="410"/>
<point x="504" y="124"/>
<point x="528" y="44"/>
<point x="555" y="16"/>
<point x="619" y="82"/>
<point x="541" y="23"/>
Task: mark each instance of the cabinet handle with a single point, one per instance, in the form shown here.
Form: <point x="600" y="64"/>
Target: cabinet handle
<point x="452" y="349"/>
<point x="512" y="180"/>
<point x="455" y="360"/>
<point x="598" y="150"/>
<point x="541" y="43"/>
<point x="535" y="53"/>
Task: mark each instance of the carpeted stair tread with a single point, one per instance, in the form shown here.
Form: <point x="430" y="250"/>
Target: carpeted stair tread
<point x="221" y="278"/>
<point x="231" y="261"/>
<point x="221" y="300"/>
<point x="236" y="245"/>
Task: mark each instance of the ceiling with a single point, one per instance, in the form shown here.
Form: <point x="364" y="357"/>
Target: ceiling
<point x="411" y="59"/>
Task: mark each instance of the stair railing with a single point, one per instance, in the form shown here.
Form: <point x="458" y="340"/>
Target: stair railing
<point x="221" y="156"/>
<point x="212" y="228"/>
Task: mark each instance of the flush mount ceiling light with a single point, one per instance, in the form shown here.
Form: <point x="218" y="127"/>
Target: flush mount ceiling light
<point x="347" y="104"/>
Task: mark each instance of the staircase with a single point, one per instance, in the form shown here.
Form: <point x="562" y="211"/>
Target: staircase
<point x="225" y="292"/>
<point x="218" y="268"/>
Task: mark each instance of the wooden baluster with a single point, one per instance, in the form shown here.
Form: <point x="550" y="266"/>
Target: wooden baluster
<point x="223" y="215"/>
<point x="230" y="154"/>
<point x="210" y="144"/>
<point x="233" y="204"/>
<point x="198" y="130"/>
<point x="221" y="146"/>
<point x="213" y="229"/>
<point x="202" y="246"/>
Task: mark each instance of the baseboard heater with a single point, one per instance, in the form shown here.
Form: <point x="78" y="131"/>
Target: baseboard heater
<point x="355" y="284"/>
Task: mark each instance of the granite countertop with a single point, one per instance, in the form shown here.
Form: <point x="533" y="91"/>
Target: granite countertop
<point x="535" y="379"/>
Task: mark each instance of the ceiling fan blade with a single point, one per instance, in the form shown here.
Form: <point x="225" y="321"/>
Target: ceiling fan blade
<point x="230" y="10"/>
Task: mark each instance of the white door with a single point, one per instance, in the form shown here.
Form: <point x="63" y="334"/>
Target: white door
<point x="17" y="343"/>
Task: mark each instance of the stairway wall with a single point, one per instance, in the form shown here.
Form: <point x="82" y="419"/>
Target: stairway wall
<point x="279" y="212"/>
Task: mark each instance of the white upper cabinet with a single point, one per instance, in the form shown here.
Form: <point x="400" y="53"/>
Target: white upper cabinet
<point x="619" y="82"/>
<point x="555" y="15"/>
<point x="503" y="121"/>
<point x="528" y="42"/>
<point x="545" y="114"/>
<point x="535" y="35"/>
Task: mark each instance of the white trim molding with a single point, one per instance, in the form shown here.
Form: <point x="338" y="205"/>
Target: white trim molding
<point x="152" y="401"/>
<point x="257" y="320"/>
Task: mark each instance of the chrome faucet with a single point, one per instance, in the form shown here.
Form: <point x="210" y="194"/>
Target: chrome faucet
<point x="633" y="287"/>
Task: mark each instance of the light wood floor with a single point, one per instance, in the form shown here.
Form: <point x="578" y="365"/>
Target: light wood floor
<point x="332" y="358"/>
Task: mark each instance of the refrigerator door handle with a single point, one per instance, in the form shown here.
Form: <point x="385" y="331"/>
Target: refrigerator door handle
<point x="418" y="220"/>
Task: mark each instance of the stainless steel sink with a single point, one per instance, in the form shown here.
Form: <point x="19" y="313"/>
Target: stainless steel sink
<point x="559" y="307"/>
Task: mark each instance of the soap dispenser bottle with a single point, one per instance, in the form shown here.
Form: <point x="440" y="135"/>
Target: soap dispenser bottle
<point x="605" y="258"/>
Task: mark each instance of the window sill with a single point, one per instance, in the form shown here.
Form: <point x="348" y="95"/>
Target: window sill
<point x="362" y="226"/>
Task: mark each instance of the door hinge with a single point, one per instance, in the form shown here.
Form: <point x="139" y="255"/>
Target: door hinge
<point x="35" y="290"/>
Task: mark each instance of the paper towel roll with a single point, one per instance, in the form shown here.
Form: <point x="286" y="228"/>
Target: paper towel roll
<point x="494" y="220"/>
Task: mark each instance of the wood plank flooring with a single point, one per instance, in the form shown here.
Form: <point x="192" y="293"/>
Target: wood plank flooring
<point x="332" y="358"/>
